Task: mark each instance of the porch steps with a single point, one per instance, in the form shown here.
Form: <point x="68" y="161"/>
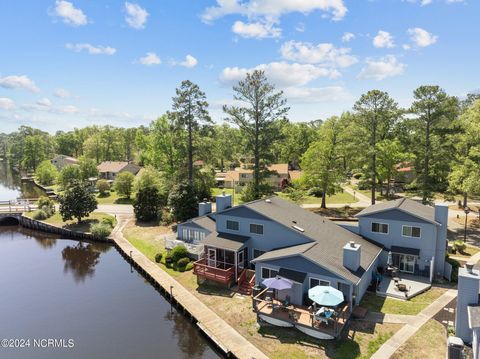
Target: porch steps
<point x="245" y="285"/>
<point x="245" y="288"/>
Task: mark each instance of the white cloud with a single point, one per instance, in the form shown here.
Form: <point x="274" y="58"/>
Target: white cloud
<point x="422" y="2"/>
<point x="300" y="27"/>
<point x="316" y="94"/>
<point x="455" y="1"/>
<point x="93" y="50"/>
<point x="383" y="39"/>
<point x="324" y="53"/>
<point x="257" y="30"/>
<point x="18" y="82"/>
<point x="62" y="93"/>
<point x="422" y="37"/>
<point x="44" y="102"/>
<point x="382" y="68"/>
<point x="273" y="9"/>
<point x="150" y="59"/>
<point x="189" y="62"/>
<point x="69" y="13"/>
<point x="6" y="103"/>
<point x="136" y="15"/>
<point x="69" y="109"/>
<point x="348" y="36"/>
<point x="406" y="47"/>
<point x="282" y="74"/>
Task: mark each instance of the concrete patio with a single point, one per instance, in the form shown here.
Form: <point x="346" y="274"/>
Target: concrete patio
<point x="414" y="286"/>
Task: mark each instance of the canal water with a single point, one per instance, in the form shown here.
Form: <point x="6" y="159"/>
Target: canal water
<point x="12" y="187"/>
<point x="68" y="299"/>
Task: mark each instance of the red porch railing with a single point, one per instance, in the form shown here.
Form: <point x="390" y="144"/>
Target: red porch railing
<point x="202" y="269"/>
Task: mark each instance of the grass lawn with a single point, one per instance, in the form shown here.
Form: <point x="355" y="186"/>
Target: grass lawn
<point x="83" y="226"/>
<point x="341" y="197"/>
<point x="428" y="342"/>
<point x="413" y="306"/>
<point x="467" y="253"/>
<point x="361" y="340"/>
<point x="112" y="198"/>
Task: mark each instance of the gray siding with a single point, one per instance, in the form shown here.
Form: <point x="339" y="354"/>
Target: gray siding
<point x="427" y="243"/>
<point x="468" y="292"/>
<point x="365" y="281"/>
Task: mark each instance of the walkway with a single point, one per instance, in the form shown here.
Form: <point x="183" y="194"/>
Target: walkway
<point x="400" y="337"/>
<point x="214" y="326"/>
<point x="363" y="201"/>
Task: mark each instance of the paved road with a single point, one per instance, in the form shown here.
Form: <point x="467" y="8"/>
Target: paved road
<point x="116" y="209"/>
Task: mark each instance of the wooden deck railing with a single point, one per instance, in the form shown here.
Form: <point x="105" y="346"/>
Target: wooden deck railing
<point x="202" y="269"/>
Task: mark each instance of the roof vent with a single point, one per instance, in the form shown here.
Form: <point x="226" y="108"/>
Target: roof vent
<point x="268" y="200"/>
<point x="352" y="244"/>
<point x="469" y="267"/>
<point x="300" y="229"/>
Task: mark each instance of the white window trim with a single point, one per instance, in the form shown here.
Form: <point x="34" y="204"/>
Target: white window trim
<point x="420" y="228"/>
<point x="257" y="224"/>
<point x="319" y="280"/>
<point x="269" y="268"/>
<point x="231" y="220"/>
<point x="384" y="233"/>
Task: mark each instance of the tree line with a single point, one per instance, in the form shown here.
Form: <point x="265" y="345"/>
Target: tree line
<point x="438" y="136"/>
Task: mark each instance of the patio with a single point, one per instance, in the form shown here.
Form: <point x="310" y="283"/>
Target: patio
<point x="412" y="285"/>
<point x="274" y="312"/>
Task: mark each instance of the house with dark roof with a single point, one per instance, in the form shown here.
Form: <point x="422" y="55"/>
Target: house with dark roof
<point x="415" y="234"/>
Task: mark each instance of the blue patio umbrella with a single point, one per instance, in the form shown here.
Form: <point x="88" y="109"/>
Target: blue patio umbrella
<point x="278" y="283"/>
<point x="325" y="295"/>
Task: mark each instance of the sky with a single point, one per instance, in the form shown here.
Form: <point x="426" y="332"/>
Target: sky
<point x="67" y="64"/>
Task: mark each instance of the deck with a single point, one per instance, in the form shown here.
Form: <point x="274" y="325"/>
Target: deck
<point x="301" y="318"/>
<point x="414" y="284"/>
<point x="219" y="275"/>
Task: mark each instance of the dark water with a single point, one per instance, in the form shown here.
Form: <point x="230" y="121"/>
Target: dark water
<point x="62" y="289"/>
<point x="11" y="186"/>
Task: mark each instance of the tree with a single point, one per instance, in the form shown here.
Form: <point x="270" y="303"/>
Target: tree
<point x="88" y="168"/>
<point x="296" y="138"/>
<point x="147" y="204"/>
<point x="183" y="201"/>
<point x="34" y="152"/>
<point x="191" y="107"/>
<point x="257" y="120"/>
<point x="123" y="184"/>
<point x="376" y="113"/>
<point x="435" y="110"/>
<point x="102" y="186"/>
<point x="68" y="175"/>
<point x="93" y="148"/>
<point x="77" y="202"/>
<point x="323" y="163"/>
<point x="46" y="173"/>
<point x="66" y="143"/>
<point x="149" y="177"/>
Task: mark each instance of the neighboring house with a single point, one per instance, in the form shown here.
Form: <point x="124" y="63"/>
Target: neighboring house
<point x="294" y="175"/>
<point x="110" y="169"/>
<point x="405" y="173"/>
<point x="467" y="315"/>
<point x="415" y="234"/>
<point x="241" y="177"/>
<point x="61" y="161"/>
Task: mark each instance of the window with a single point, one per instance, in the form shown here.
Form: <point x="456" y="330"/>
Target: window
<point x="196" y="235"/>
<point x="409" y="231"/>
<point x="314" y="282"/>
<point x="184" y="234"/>
<point x="257" y="253"/>
<point x="232" y="225"/>
<point x="202" y="236"/>
<point x="256" y="228"/>
<point x="269" y="273"/>
<point x="379" y="227"/>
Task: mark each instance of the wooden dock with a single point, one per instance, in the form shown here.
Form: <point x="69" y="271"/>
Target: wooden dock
<point x="220" y="332"/>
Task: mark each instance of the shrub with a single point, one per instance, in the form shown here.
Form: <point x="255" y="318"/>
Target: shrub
<point x="110" y="221"/>
<point x="168" y="259"/>
<point x="46" y="173"/>
<point x="40" y="215"/>
<point x="167" y="217"/>
<point x="69" y="175"/>
<point x="460" y="245"/>
<point x="102" y="186"/>
<point x="189" y="266"/>
<point x="455" y="265"/>
<point x="182" y="262"/>
<point x="315" y="192"/>
<point x="158" y="257"/>
<point x="123" y="184"/>
<point x="178" y="252"/>
<point x="101" y="230"/>
<point x="147" y="204"/>
<point x="45" y="201"/>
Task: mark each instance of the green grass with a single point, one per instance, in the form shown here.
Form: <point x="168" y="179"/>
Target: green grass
<point x="413" y="306"/>
<point x="83" y="226"/>
<point x="113" y="198"/>
<point x="341" y="197"/>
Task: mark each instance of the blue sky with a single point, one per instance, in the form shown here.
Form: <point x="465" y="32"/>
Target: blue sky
<point x="67" y="64"/>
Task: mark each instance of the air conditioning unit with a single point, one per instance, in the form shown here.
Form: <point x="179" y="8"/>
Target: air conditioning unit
<point x="455" y="348"/>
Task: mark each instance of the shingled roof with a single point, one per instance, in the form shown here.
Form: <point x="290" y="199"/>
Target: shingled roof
<point x="327" y="238"/>
<point x="406" y="205"/>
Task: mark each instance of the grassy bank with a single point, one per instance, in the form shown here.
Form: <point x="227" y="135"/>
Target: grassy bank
<point x="83" y="226"/>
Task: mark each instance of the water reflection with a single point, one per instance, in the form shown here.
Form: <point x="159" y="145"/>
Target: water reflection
<point x="12" y="187"/>
<point x="180" y="327"/>
<point x="80" y="260"/>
